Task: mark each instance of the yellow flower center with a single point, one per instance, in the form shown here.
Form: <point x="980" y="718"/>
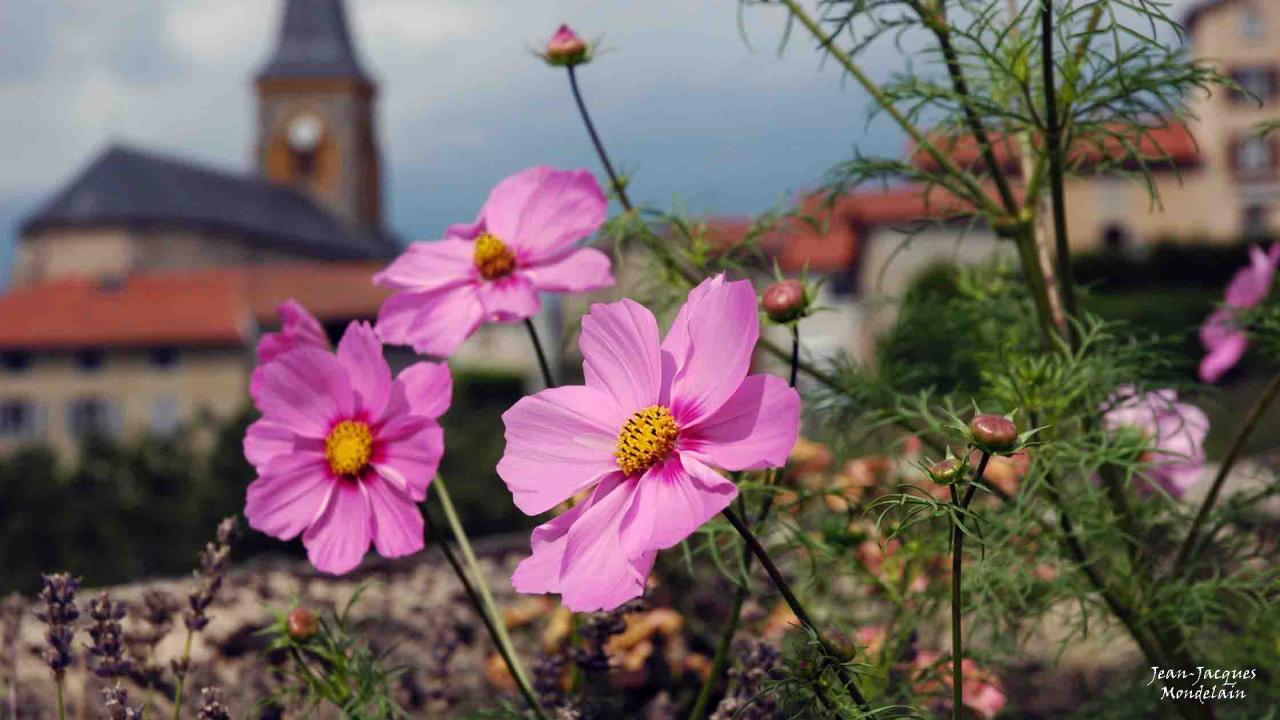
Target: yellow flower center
<point x="348" y="447"/>
<point x="649" y="436"/>
<point x="493" y="258"/>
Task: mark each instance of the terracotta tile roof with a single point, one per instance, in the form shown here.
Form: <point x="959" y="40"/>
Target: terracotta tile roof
<point x="832" y="237"/>
<point x="1173" y="140"/>
<point x="208" y="307"/>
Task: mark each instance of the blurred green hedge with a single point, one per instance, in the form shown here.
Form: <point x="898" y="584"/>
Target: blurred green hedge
<point x="146" y="506"/>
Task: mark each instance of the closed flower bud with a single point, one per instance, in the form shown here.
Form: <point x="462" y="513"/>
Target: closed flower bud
<point x="302" y="624"/>
<point x="566" y="49"/>
<point x="994" y="432"/>
<point x="785" y="301"/>
<point x="841" y="645"/>
<point x="945" y="471"/>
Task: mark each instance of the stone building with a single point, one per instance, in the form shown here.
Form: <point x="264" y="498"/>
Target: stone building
<point x="140" y="288"/>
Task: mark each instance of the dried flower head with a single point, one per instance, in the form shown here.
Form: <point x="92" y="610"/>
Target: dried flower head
<point x="106" y="652"/>
<point x="116" y="703"/>
<point x="211" y="705"/>
<point x="59" y="614"/>
<point x="213" y="566"/>
<point x="749" y="699"/>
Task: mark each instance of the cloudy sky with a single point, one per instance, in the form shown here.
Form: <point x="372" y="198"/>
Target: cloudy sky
<point x="692" y="97"/>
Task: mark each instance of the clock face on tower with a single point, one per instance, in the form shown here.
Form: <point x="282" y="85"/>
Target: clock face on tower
<point x="304" y="132"/>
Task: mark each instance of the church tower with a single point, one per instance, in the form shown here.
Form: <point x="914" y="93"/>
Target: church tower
<point x="316" y="114"/>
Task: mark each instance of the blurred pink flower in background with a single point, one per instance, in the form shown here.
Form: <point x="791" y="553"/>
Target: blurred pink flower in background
<point x="982" y="691"/>
<point x="343" y="452"/>
<point x="1174" y="430"/>
<point x="524" y="243"/>
<point x="647" y="432"/>
<point x="1224" y="342"/>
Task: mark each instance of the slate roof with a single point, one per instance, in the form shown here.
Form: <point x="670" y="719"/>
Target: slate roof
<point x="138" y="189"/>
<point x="314" y="43"/>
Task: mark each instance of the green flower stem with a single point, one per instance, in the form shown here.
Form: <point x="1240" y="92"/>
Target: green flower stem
<point x="1054" y="148"/>
<point x="721" y="659"/>
<point x="957" y="567"/>
<point x="793" y="602"/>
<point x="619" y="187"/>
<point x="484" y="606"/>
<point x="1263" y="402"/>
<point x="185" y="664"/>
<point x="478" y="588"/>
<point x="542" y="356"/>
<point x="62" y="707"/>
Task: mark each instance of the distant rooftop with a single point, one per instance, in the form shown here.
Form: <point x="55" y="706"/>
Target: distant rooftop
<point x="134" y="188"/>
<point x="314" y="42"/>
<point x="213" y="307"/>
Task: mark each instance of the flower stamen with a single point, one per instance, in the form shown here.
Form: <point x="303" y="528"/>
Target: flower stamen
<point x="493" y="258"/>
<point x="349" y="447"/>
<point x="648" y="437"/>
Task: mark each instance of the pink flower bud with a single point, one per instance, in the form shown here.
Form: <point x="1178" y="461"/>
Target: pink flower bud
<point x="785" y="301"/>
<point x="945" y="471"/>
<point x="566" y="49"/>
<point x="994" y="432"/>
<point x="302" y="624"/>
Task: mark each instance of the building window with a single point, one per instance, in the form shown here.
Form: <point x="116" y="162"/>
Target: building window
<point x="1257" y="84"/>
<point x="91" y="359"/>
<point x="1257" y="222"/>
<point x="92" y="415"/>
<point x="1251" y="23"/>
<point x="166" y="415"/>
<point x="164" y="357"/>
<point x="1115" y="238"/>
<point x="15" y="361"/>
<point x="17" y="419"/>
<point x="1255" y="157"/>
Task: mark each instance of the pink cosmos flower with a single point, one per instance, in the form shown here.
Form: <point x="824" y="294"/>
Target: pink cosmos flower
<point x="1224" y="342"/>
<point x="646" y="434"/>
<point x="492" y="270"/>
<point x="1175" y="432"/>
<point x="344" y="452"/>
<point x="298" y="328"/>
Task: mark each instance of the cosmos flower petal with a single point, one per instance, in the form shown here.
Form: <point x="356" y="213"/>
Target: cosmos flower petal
<point x="722" y="327"/>
<point x="428" y="387"/>
<point x="596" y="572"/>
<point x="540" y="572"/>
<point x="1251" y="285"/>
<point x="1224" y="356"/>
<point x="339" y="538"/>
<point x="265" y="440"/>
<point x="361" y="355"/>
<point x="288" y="495"/>
<point x="581" y="270"/>
<point x="1175" y="431"/>
<point x="298" y="328"/>
<point x="433" y="323"/>
<point x="305" y="389"/>
<point x="427" y="266"/>
<point x="397" y="521"/>
<point x="620" y="354"/>
<point x="510" y="299"/>
<point x="559" y="442"/>
<point x="411" y="461"/>
<point x="542" y="211"/>
<point x="755" y="428"/>
<point x="672" y="499"/>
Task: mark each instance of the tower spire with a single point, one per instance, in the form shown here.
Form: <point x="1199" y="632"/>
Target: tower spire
<point x="314" y="42"/>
